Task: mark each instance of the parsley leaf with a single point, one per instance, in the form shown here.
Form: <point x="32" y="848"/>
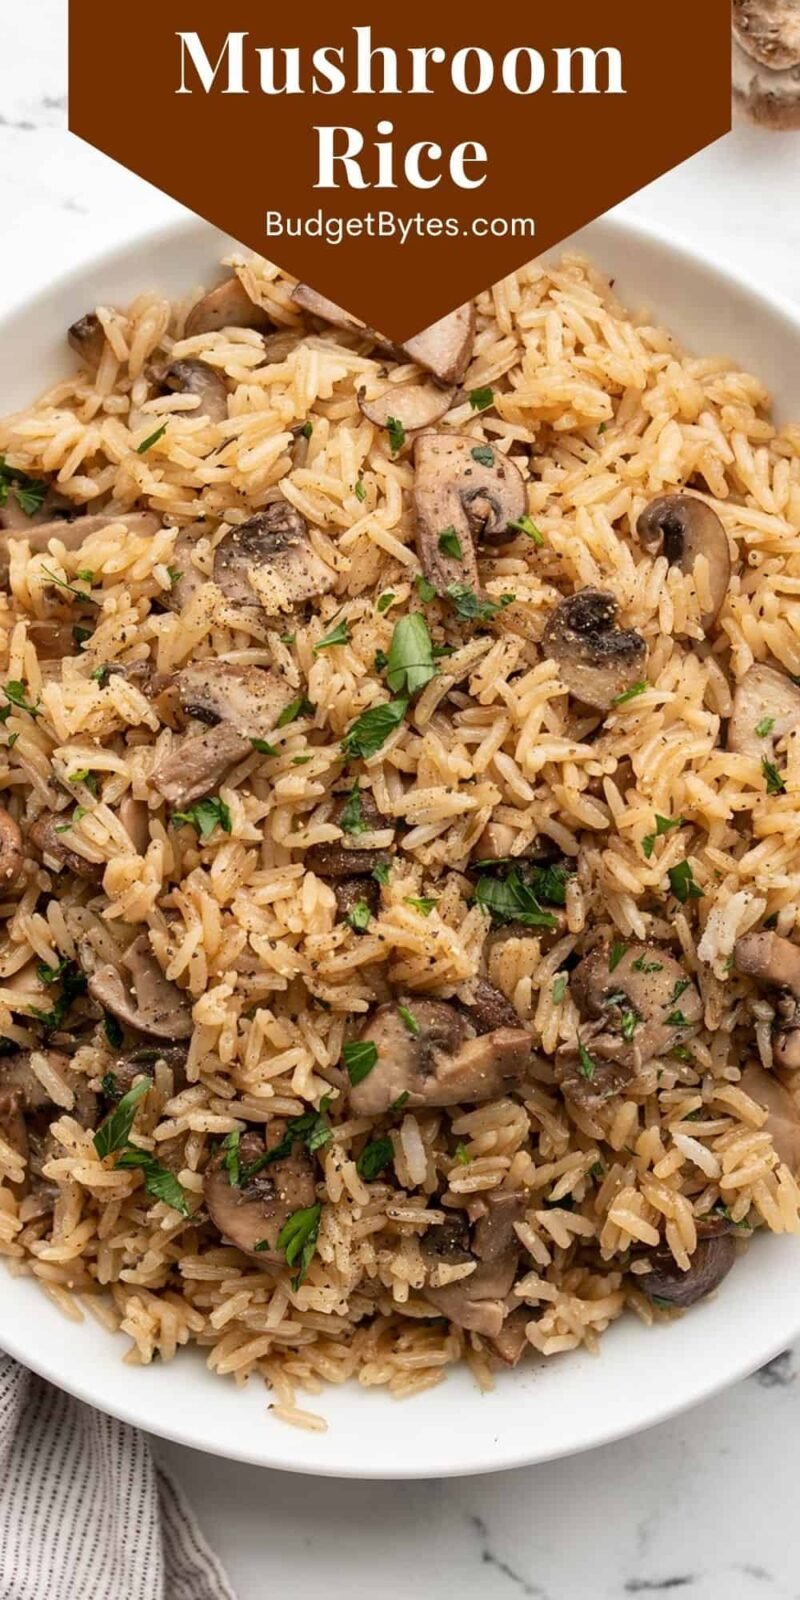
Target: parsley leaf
<point x="410" y="664"/>
<point x="397" y="434"/>
<point x="423" y="906"/>
<point x="114" y="1132"/>
<point x="351" y="819"/>
<point x="338" y="635"/>
<point x="73" y="983"/>
<point x="230" y="1160"/>
<point x="774" y="781"/>
<point x="676" y="1019"/>
<point x="450" y="544"/>
<point x="425" y="589"/>
<point x="359" y="1057"/>
<point x="616" y="953"/>
<point x="642" y="965"/>
<point x="204" y="816"/>
<point x="298" y="1239"/>
<point x="28" y="492"/>
<point x="360" y="916"/>
<point x="765" y="726"/>
<point x="80" y="635"/>
<point x="374" y="1157"/>
<point x="410" y="1021"/>
<point x="264" y="748"/>
<point x="372" y="728"/>
<point x="312" y="1128"/>
<point x="510" y="899"/>
<point x="299" y="707"/>
<point x="381" y="873"/>
<point x="628" y="1020"/>
<point x="559" y="988"/>
<point x="481" y="399"/>
<point x="630" y="694"/>
<point x="663" y="825"/>
<point x="15" y="695"/>
<point x="70" y="588"/>
<point x="385" y="600"/>
<point x="682" y="883"/>
<point x="468" y="605"/>
<point x="147" y="444"/>
<point x="587" y="1067"/>
<point x="159" y="1182"/>
<point x="359" y="490"/>
<point x="484" y="454"/>
<point x="527" y="526"/>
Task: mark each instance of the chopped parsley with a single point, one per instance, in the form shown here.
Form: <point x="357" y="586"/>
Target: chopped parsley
<point x="299" y="707"/>
<point x="359" y="1057"/>
<point x="381" y="873"/>
<point x="630" y="694"/>
<point x="87" y="778"/>
<point x="47" y="974"/>
<point x="374" y="1157"/>
<point x="264" y="748"/>
<point x="109" y="1086"/>
<point x="287" y="638"/>
<point x="527" y="526"/>
<point x="450" y="544"/>
<point x="112" y="1030"/>
<point x="772" y="777"/>
<point x="397" y="434"/>
<point x="359" y="490"/>
<point x="765" y="727"/>
<point x="80" y="635"/>
<point x="424" y="588"/>
<point x="462" y="1155"/>
<point x="15" y="695"/>
<point x="641" y="964"/>
<point x="676" y="1019"/>
<point x="410" y="1021"/>
<point x="298" y="1239"/>
<point x="174" y="574"/>
<point x="481" y="399"/>
<point x="682" y="884"/>
<point x="586" y="1066"/>
<point x="360" y="916"/>
<point x="114" y="1132"/>
<point x="559" y="988"/>
<point x="510" y="899"/>
<point x="147" y="444"/>
<point x="230" y="1160"/>
<point x="681" y="986"/>
<point x="29" y="493"/>
<point x="424" y="906"/>
<point x="628" y="1020"/>
<point x="306" y="430"/>
<point x="352" y="817"/>
<point x="312" y="1128"/>
<point x="385" y="601"/>
<point x="410" y="664"/>
<point x="73" y="983"/>
<point x="379" y="660"/>
<point x="548" y="883"/>
<point x="402" y="1100"/>
<point x="204" y="816"/>
<point x="663" y="825"/>
<point x="469" y="607"/>
<point x="101" y="675"/>
<point x="372" y="728"/>
<point x="484" y="454"/>
<point x="70" y="588"/>
<point x="338" y="635"/>
<point x="616" y="953"/>
<point x="159" y="1182"/>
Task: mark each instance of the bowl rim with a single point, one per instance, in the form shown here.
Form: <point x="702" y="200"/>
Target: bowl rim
<point x="276" y="1451"/>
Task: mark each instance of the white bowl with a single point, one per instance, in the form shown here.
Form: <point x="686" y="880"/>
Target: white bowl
<point x="537" y="1412"/>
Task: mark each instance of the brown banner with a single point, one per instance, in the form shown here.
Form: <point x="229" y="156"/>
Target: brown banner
<point x="402" y="163"/>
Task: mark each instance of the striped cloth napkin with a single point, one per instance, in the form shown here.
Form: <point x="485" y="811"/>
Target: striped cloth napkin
<point x="85" y="1511"/>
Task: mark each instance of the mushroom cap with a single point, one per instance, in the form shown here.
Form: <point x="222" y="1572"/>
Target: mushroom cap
<point x="457" y="490"/>
<point x="685" y="527"/>
<point x="268" y="562"/>
<point x="137" y="991"/>
<point x="710" y="1263"/>
<point x="442" y="1063"/>
<point x="191" y="376"/>
<point x="347" y="857"/>
<point x="769" y="958"/>
<point x="414" y="405"/>
<point x="763" y="695"/>
<point x="56" y="854"/>
<point x="227" y="306"/>
<point x="488" y="1008"/>
<point x="248" y="699"/>
<point x="253" y="1214"/>
<point x="597" y="661"/>
<point x="768" y="31"/>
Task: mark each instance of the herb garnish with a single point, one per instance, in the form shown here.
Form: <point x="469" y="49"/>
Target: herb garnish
<point x="774" y="781"/>
<point x="338" y="635"/>
<point x="28" y="492"/>
<point x="410" y="1021"/>
<point x="264" y="748"/>
<point x="374" y="1157"/>
<point x="469" y="607"/>
<point x="359" y="490"/>
<point x="352" y="817"/>
<point x="381" y="873"/>
<point x="587" y="1066"/>
<point x="682" y="883"/>
<point x="423" y="906"/>
<point x="410" y="664"/>
<point x="70" y="588"/>
<point x="360" y="917"/>
<point x="385" y="600"/>
<point x="204" y="816"/>
<point x="359" y="1057"/>
<point x="484" y="454"/>
<point x="159" y="1182"/>
<point x="372" y="728"/>
<point x="298" y="1239"/>
<point x="15" y="695"/>
<point x="663" y="825"/>
<point x="616" y="953"/>
<point x="450" y="544"/>
<point x="424" y="588"/>
<point x="509" y="899"/>
<point x="299" y="707"/>
<point x="527" y="526"/>
<point x="481" y="399"/>
<point x="559" y="988"/>
<point x="147" y="444"/>
<point x="313" y="1128"/>
<point x="676" y="1019"/>
<point x="73" y="983"/>
<point x="230" y="1160"/>
<point x="630" y="694"/>
<point x="641" y="964"/>
<point x="765" y="727"/>
<point x="397" y="434"/>
<point x="114" y="1132"/>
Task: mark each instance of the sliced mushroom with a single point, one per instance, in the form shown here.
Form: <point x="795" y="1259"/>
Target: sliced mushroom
<point x="445" y="348"/>
<point x="248" y="699"/>
<point x="769" y="31"/>
<point x="352" y="892"/>
<point x="53" y="640"/>
<point x="127" y="1069"/>
<point x="74" y="531"/>
<point x="268" y="562"/>
<point x="764" y="699"/>
<point x="412" y="405"/>
<point x="597" y="661"/>
<point x="767" y="958"/>
<point x="227" y="306"/>
<point x="647" y="996"/>
<point x="27" y="1110"/>
<point x="684" y="527"/>
<point x="137" y="991"/>
<point x="494" y="1234"/>
<point x="135" y="818"/>
<point x="87" y="338"/>
<point x="458" y="489"/>
<point x="339" y="859"/>
<point x="429" y="1052"/>
<point x="511" y="1342"/>
<point x="252" y="1214"/>
<point x="783" y="1116"/>
<point x="12" y="855"/>
<point x="318" y="305"/>
<point x="198" y="764"/>
<point x="769" y="98"/>
<point x="488" y="1008"/>
<point x="711" y="1261"/>
<point x="476" y="1302"/>
<point x="44" y="836"/>
<point x="198" y="378"/>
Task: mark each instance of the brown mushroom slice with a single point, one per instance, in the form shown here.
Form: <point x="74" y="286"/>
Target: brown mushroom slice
<point x="476" y="1302"/>
<point x="353" y="892"/>
<point x="12" y="855"/>
<point x="488" y="1008"/>
<point x="53" y="640"/>
<point x="766" y="699"/>
<point x="467" y="488"/>
<point x="597" y="661"/>
<point x="494" y="1234"/>
<point x="44" y="836"/>
<point x="411" y="405"/>
<point x="280" y="345"/>
<point x="684" y="527"/>
<point x="445" y="348"/>
<point x="427" y="1050"/>
<point x="268" y="562"/>
<point x="511" y="1342"/>
<point x="248" y="699"/>
<point x="87" y="338"/>
<point x="227" y="306"/>
<point x="768" y="958"/>
<point x="252" y="1214"/>
<point x="337" y="859"/>
<point x="768" y="98"/>
<point x="27" y="1110"/>
<point x="137" y="991"/>
<point x="74" y="531"/>
<point x="198" y="764"/>
<point x="198" y="378"/>
<point x="125" y="1070"/>
<point x="135" y="818"/>
<point x="318" y="305"/>
<point x="783" y="1116"/>
<point x="710" y="1263"/>
<point x="769" y="31"/>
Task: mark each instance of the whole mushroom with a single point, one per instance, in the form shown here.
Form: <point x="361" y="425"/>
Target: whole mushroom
<point x="428" y="1051"/>
<point x="597" y="661"/>
<point x="684" y="528"/>
<point x="467" y="490"/>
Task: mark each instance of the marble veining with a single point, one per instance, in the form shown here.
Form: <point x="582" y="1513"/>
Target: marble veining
<point x="704" y="1505"/>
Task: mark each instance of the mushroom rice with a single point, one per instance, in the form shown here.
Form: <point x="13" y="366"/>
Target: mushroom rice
<point x="400" y="847"/>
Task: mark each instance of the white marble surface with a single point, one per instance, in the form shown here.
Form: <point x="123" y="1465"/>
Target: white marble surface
<point x="705" y="1505"/>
